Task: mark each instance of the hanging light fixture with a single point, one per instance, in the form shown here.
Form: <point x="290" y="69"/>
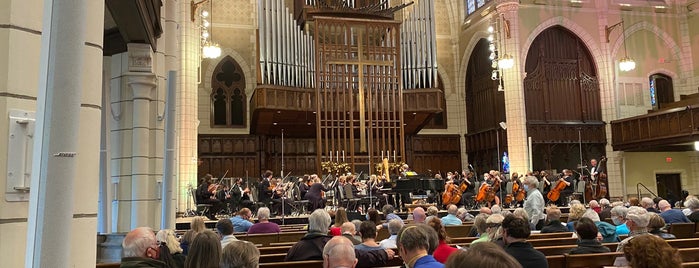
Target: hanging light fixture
<point x="210" y="49"/>
<point x="507" y="61"/>
<point x="626" y="63"/>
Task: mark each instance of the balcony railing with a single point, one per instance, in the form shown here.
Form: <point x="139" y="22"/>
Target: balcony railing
<point x="673" y="126"/>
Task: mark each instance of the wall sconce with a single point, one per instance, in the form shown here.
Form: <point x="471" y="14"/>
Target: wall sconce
<point x="625" y="64"/>
<point x="193" y="9"/>
<point x="209" y="49"/>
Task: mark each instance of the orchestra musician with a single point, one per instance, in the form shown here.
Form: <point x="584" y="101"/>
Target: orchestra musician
<point x="568" y="179"/>
<point x="304" y="186"/>
<point x="240" y="196"/>
<point x="205" y="195"/>
<point x="315" y="194"/>
<point x="469" y="180"/>
<point x="264" y="189"/>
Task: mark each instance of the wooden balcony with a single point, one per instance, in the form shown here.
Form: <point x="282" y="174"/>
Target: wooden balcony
<point x="274" y="108"/>
<point x="657" y="129"/>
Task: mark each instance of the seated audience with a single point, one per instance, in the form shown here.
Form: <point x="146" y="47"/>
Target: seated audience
<point x="464" y="215"/>
<point x="140" y="249"/>
<point x="607" y="230"/>
<point x="479" y="223"/>
<point x="432" y="211"/>
<point x="419" y="215"/>
<point x="693" y="205"/>
<point x="195" y="227"/>
<point x="576" y="212"/>
<point x="618" y="215"/>
<point x="687" y="210"/>
<point x="633" y="202"/>
<point x="637" y="219"/>
<point x="487" y="211"/>
<point x="649" y="205"/>
<point x="340" y="218"/>
<point x="415" y="243"/>
<point x="521" y="213"/>
<point x="388" y="214"/>
<point x="553" y="224"/>
<point x="339" y="252"/>
<point x="393" y="227"/>
<point x="443" y="250"/>
<point x="671" y="215"/>
<point x="225" y="230"/>
<point x="656" y="226"/>
<point x="170" y="246"/>
<point x="515" y="232"/>
<point x="587" y="231"/>
<point x="349" y="232"/>
<point x="240" y="254"/>
<point x="494" y="228"/>
<point x="605" y="213"/>
<point x="241" y="222"/>
<point x="482" y="255"/>
<point x="649" y="251"/>
<point x="373" y="216"/>
<point x="594" y="205"/>
<point x="495" y="209"/>
<point x="310" y="247"/>
<point x="358" y="223"/>
<point x="264" y="226"/>
<point x="368" y="232"/>
<point x="205" y="251"/>
<point x="450" y="218"/>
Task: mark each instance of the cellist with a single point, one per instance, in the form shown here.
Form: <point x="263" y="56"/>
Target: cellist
<point x="567" y="178"/>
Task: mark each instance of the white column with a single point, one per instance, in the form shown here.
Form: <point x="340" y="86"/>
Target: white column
<point x="56" y="137"/>
<point x="515" y="112"/>
<point x="143" y="188"/>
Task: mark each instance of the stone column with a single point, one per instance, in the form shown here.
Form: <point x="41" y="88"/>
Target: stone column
<point x="515" y="112"/>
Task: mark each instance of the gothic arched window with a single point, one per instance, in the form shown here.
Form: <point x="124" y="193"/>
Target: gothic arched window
<point x="228" y="95"/>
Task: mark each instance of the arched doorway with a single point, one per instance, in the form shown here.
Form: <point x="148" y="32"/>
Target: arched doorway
<point x="662" y="91"/>
<point x="485" y="109"/>
<point x="562" y="94"/>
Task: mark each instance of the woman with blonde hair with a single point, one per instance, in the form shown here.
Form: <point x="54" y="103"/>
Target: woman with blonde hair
<point x="340" y="218"/>
<point x="170" y="250"/>
<point x="650" y="251"/>
<point x="195" y="227"/>
<point x="576" y="212"/>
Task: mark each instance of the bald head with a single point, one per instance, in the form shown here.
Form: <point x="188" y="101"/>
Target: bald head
<point x="664" y="205"/>
<point x="339" y="252"/>
<point x="485" y="210"/>
<point x="348" y="227"/>
<point x="419" y="215"/>
<point x="140" y="242"/>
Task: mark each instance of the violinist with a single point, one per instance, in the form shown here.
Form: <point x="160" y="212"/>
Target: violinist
<point x="264" y="189"/>
<point x="567" y="179"/>
<point x="304" y="186"/>
<point x="205" y="195"/>
<point x="315" y="193"/>
<point x="240" y="196"/>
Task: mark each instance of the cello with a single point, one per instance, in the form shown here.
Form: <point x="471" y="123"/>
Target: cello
<point x="555" y="193"/>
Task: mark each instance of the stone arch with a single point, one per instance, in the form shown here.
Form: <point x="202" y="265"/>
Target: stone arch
<point x="575" y="28"/>
<point x="446" y="81"/>
<point x="244" y="65"/>
<point x="660" y="33"/>
<point x="463" y="66"/>
<point x="664" y="71"/>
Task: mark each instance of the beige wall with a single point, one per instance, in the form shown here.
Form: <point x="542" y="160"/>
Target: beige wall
<point x="642" y="167"/>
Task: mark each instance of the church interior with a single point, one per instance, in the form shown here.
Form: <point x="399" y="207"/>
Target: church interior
<point x="114" y="110"/>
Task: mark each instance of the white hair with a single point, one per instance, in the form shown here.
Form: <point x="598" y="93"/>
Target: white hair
<point x="646" y="202"/>
<point x="591" y="214"/>
<point x="137" y="242"/>
<point x="619" y="211"/>
<point x="394" y="226"/>
<point x="495" y="209"/>
<point x="692" y="203"/>
<point x="531" y="180"/>
<point x="319" y="221"/>
<point x="604" y="202"/>
<point x="263" y="213"/>
<point x="639" y="216"/>
<point x="168" y="236"/>
<point x="452" y="209"/>
<point x="339" y="249"/>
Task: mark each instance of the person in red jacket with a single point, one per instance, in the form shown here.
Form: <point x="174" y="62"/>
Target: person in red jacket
<point x="443" y="249"/>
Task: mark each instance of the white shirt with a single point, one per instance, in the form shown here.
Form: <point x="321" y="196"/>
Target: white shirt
<point x="389" y="242"/>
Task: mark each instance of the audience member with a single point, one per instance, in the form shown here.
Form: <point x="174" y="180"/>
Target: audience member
<point x="594" y="205"/>
<point x="415" y="243"/>
<point x="419" y="215"/>
<point x="687" y="210"/>
<point x="671" y="215"/>
<point x="587" y="238"/>
<point x="464" y="215"/>
<point x="205" y="251"/>
<point x="241" y="222"/>
<point x="618" y="215"/>
<point x="432" y="211"/>
<point x="515" y="232"/>
<point x="637" y="220"/>
<point x="170" y="245"/>
<point x="225" y="230"/>
<point x="340" y="218"/>
<point x="348" y="231"/>
<point x="141" y="249"/>
<point x="480" y="225"/>
<point x="656" y="226"/>
<point x="607" y="230"/>
<point x="605" y="213"/>
<point x="494" y="229"/>
<point x="373" y="216"/>
<point x="520" y="213"/>
<point x="394" y="227"/>
<point x="649" y="251"/>
<point x="443" y="250"/>
<point x="649" y="205"/>
<point x="534" y="204"/>
<point x="195" y="227"/>
<point x="633" y="202"/>
<point x="264" y="226"/>
<point x="553" y="224"/>
<point x="388" y="214"/>
<point x="368" y="232"/>
<point x="485" y="210"/>
<point x="357" y="223"/>
<point x="482" y="255"/>
<point x="575" y="213"/>
<point x="339" y="252"/>
<point x="693" y="205"/>
<point x="450" y="218"/>
<point x="495" y="209"/>
<point x="240" y="254"/>
<point x="310" y="247"/>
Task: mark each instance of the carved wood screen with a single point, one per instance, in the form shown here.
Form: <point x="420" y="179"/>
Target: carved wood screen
<point x="359" y="99"/>
<point x="485" y="109"/>
<point x="562" y="97"/>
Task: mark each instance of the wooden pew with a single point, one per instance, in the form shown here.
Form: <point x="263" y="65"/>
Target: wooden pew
<point x="683" y="230"/>
<point x="591" y="260"/>
<point x="553" y="241"/>
<point x="292" y="264"/>
<point x="690" y="265"/>
<point x="290" y="236"/>
<point x="689" y="254"/>
<point x="556" y="261"/>
<point x="458" y="230"/>
<point x="274" y="250"/>
<point x="683" y="243"/>
<point x="108" y="265"/>
<point x="276" y="257"/>
<point x="282" y="244"/>
<point x="264" y="239"/>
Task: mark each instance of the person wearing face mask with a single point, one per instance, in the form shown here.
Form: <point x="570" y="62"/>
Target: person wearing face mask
<point x="415" y="244"/>
<point x="534" y="204"/>
<point x="619" y="218"/>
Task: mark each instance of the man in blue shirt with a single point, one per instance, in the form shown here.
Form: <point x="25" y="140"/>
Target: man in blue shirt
<point x="241" y="222"/>
<point x="414" y="243"/>
<point x="451" y="219"/>
<point x="671" y="215"/>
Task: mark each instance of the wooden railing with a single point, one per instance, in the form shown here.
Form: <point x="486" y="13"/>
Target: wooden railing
<point x="673" y="126"/>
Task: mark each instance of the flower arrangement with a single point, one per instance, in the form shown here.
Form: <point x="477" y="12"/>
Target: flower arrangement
<point x="335" y="167"/>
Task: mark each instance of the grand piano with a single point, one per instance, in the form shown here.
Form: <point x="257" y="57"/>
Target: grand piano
<point x="419" y="186"/>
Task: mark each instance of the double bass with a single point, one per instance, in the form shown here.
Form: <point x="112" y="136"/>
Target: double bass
<point x="601" y="178"/>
